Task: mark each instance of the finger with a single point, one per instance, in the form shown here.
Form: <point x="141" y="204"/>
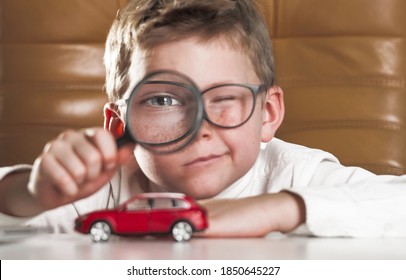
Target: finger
<point x="63" y="152"/>
<point x="111" y="154"/>
<point x="126" y="152"/>
<point x="93" y="186"/>
<point x="104" y="141"/>
<point x="52" y="173"/>
<point x="91" y="158"/>
<point x="77" y="145"/>
<point x="71" y="162"/>
<point x="77" y="154"/>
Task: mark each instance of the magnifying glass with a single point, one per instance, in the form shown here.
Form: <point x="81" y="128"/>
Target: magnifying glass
<point x="163" y="113"/>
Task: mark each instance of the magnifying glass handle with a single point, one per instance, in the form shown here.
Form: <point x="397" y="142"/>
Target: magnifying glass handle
<point x="122" y="140"/>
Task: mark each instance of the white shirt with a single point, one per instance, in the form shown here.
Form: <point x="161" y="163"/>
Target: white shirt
<point x="340" y="201"/>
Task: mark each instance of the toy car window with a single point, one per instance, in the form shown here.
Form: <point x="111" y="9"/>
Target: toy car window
<point x="138" y="204"/>
<point x="162" y="203"/>
<point x="179" y="203"/>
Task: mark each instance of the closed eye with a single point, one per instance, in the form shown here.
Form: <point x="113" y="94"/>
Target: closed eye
<point x="224" y="98"/>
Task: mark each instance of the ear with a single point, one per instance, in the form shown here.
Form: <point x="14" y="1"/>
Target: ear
<point x="112" y="119"/>
<point x="273" y="113"/>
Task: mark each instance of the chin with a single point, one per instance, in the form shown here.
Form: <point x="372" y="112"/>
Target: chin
<point x="198" y="192"/>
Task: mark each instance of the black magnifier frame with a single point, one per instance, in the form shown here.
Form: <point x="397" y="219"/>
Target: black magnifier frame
<point x="129" y="136"/>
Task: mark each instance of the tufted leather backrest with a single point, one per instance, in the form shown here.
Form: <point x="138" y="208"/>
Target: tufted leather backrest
<point x="52" y="71"/>
<point x="341" y="63"/>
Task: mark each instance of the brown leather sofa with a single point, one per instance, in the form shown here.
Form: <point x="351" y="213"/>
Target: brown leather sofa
<point x="341" y="63"/>
<point x="52" y="71"/>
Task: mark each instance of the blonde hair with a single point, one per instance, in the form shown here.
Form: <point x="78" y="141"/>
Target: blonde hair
<point x="145" y="24"/>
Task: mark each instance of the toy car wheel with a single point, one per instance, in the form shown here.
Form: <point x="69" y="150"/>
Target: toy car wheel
<point x="100" y="231"/>
<point x="182" y="231"/>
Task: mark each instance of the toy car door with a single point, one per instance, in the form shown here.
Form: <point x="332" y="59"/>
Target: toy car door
<point x="134" y="217"/>
<point x="163" y="214"/>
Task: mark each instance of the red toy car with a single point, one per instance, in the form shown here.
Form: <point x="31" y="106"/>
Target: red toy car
<point x="147" y="213"/>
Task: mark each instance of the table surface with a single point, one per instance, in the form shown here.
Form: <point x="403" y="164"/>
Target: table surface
<point x="274" y="246"/>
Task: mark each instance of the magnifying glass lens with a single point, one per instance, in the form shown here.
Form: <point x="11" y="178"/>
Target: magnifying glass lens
<point x="163" y="111"/>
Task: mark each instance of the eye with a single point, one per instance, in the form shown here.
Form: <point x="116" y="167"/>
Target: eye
<point x="222" y="98"/>
<point x="162" y="101"/>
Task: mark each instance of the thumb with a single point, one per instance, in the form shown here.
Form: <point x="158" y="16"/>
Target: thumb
<point x="126" y="153"/>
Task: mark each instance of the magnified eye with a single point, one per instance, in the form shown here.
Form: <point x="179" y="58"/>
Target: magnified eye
<point x="164" y="111"/>
<point x="162" y="101"/>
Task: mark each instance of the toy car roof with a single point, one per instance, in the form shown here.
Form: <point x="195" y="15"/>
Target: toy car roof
<point x="160" y="195"/>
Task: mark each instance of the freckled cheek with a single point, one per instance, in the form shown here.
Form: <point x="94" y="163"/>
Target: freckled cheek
<point x="241" y="140"/>
<point x="164" y="130"/>
<point x="228" y="117"/>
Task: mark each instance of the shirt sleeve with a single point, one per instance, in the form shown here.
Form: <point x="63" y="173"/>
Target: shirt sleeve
<point x="58" y="220"/>
<point x="6" y="220"/>
<point x="4" y="171"/>
<point x="61" y="219"/>
<point x="352" y="202"/>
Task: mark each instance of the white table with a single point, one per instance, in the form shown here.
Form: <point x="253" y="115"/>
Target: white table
<point x="274" y="246"/>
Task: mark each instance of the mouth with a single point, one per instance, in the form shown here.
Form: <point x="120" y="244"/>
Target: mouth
<point x="201" y="161"/>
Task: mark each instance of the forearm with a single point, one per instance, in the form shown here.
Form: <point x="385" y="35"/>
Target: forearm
<point x="15" y="199"/>
<point x="254" y="216"/>
<point x="286" y="211"/>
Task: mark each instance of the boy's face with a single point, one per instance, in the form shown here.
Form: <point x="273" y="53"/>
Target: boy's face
<point x="218" y="156"/>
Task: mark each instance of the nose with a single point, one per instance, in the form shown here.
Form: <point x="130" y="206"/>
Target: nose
<point x="206" y="131"/>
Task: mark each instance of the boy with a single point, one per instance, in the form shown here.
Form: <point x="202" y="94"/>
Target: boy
<point x="251" y="183"/>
